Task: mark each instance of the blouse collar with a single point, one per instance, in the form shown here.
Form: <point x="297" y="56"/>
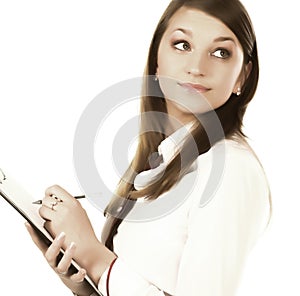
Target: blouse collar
<point x="167" y="149"/>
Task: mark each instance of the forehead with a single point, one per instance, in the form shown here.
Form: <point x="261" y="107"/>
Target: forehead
<point x="198" y="22"/>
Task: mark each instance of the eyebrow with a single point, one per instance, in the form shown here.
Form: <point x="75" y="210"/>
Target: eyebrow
<point x="219" y="39"/>
<point x="222" y="39"/>
<point x="184" y="31"/>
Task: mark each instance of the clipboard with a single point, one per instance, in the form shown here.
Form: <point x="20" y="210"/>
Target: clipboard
<point x="14" y="193"/>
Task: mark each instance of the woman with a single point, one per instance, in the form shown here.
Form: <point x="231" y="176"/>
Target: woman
<point x="204" y="59"/>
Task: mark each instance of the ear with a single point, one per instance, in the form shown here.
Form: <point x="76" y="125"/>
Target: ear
<point x="243" y="77"/>
<point x="247" y="71"/>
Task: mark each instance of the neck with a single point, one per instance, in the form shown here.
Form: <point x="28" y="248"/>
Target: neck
<point x="177" y="118"/>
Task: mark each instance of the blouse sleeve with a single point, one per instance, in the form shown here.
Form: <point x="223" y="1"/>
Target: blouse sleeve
<point x="122" y="280"/>
<point x="219" y="237"/>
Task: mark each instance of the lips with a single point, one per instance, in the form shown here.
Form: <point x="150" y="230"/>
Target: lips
<point x="194" y="87"/>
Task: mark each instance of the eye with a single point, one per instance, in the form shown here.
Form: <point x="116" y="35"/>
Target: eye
<point x="182" y="45"/>
<point x="221" y="53"/>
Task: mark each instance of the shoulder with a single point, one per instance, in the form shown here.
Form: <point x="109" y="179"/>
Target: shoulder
<point x="232" y="156"/>
<point x="242" y="163"/>
<point x="237" y="158"/>
<point x="230" y="170"/>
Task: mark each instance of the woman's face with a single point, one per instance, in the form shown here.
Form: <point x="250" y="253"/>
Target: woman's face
<point x="199" y="63"/>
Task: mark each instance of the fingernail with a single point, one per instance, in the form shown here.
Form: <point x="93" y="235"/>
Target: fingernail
<point x="27" y="225"/>
<point x="61" y="235"/>
<point x="72" y="245"/>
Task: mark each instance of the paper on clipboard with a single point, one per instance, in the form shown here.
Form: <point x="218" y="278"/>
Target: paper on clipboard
<point x="21" y="201"/>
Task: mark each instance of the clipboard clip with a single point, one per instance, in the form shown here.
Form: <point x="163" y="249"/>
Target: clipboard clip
<point x="2" y="176"/>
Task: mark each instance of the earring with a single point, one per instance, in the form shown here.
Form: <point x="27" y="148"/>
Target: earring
<point x="238" y="93"/>
<point x="156" y="78"/>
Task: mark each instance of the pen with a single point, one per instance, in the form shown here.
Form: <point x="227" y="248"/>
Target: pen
<point x="39" y="202"/>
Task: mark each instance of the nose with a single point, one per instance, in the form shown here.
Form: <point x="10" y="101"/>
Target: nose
<point x="196" y="64"/>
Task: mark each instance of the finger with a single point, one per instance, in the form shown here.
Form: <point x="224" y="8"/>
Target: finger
<point x="49" y="207"/>
<point x="79" y="276"/>
<point x="54" y="249"/>
<point x="59" y="192"/>
<point x="47" y="213"/>
<point x="51" y="201"/>
<point x="65" y="262"/>
<point x="36" y="239"/>
<point x="49" y="227"/>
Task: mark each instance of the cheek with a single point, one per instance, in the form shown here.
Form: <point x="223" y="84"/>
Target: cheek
<point x="162" y="66"/>
<point x="166" y="62"/>
<point x="225" y="83"/>
<point x="227" y="79"/>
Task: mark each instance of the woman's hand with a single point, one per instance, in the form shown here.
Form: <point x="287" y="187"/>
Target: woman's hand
<point x="74" y="280"/>
<point x="63" y="213"/>
<point x="67" y="221"/>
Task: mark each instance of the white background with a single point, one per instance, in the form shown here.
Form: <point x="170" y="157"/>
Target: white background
<point x="56" y="56"/>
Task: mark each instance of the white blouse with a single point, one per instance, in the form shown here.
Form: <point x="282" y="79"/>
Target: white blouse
<point x="199" y="245"/>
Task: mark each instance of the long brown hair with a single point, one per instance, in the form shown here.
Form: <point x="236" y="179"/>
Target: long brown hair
<point x="233" y="14"/>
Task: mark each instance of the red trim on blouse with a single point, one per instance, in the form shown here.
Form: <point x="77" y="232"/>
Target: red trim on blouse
<point x="108" y="275"/>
